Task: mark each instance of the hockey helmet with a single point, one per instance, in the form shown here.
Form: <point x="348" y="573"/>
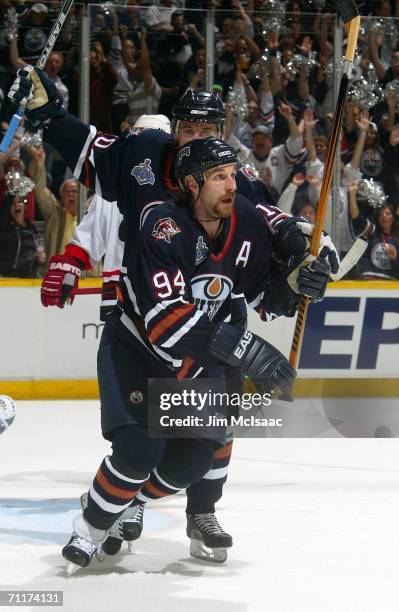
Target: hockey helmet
<point x="155" y="122"/>
<point x="198" y="156"/>
<point x="199" y="107"/>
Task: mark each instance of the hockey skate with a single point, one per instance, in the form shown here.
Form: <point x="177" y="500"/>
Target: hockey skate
<point x="84" y="543"/>
<point x="208" y="540"/>
<point x="127" y="528"/>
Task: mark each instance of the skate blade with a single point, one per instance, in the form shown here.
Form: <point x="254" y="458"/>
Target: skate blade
<point x="213" y="555"/>
<point x="84" y="500"/>
<point x="130" y="546"/>
<point x="100" y="555"/>
<point x="71" y="569"/>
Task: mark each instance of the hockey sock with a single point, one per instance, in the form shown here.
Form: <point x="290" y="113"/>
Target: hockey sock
<point x="111" y="491"/>
<point x="203" y="494"/>
<point x="156" y="487"/>
<point x="183" y="462"/>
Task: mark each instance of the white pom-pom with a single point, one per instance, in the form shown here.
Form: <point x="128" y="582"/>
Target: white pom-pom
<point x="7" y="412"/>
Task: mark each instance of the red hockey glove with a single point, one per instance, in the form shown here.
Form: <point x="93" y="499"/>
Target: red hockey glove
<point x="62" y="276"/>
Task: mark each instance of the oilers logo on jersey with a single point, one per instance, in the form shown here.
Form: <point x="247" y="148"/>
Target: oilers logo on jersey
<point x="143" y="173"/>
<point x="165" y="229"/>
<point x="210" y="291"/>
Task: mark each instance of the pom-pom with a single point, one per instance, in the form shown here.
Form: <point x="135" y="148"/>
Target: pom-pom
<point x="238" y="103"/>
<point x="18" y="184"/>
<point x="372" y="192"/>
<point x="32" y="139"/>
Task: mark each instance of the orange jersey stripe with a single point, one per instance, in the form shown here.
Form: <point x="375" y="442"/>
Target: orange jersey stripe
<point x="170" y="320"/>
<point x="111" y="490"/>
<point x="187" y="363"/>
<point x="224" y="452"/>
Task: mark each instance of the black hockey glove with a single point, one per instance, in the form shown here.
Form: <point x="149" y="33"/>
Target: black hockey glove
<point x="287" y="284"/>
<point x="33" y="88"/>
<point x="311" y="280"/>
<point x="256" y="357"/>
<point x="292" y="238"/>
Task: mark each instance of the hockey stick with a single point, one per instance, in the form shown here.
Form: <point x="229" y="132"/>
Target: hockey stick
<point x="56" y="29"/>
<point x="85" y="291"/>
<point x="350" y="14"/>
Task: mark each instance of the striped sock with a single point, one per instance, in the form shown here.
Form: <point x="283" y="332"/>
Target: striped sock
<point x="110" y="493"/>
<point x="156" y="487"/>
<point x="221" y="460"/>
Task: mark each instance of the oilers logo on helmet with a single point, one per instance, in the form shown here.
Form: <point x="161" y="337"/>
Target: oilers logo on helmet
<point x="165" y="229"/>
<point x="210" y="291"/>
<point x="143" y="173"/>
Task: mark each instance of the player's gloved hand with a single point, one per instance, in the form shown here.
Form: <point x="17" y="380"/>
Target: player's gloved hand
<point x="33" y="88"/>
<point x="256" y="357"/>
<point x="303" y="276"/>
<point x="61" y="277"/>
<point x="292" y="237"/>
<point x="310" y="278"/>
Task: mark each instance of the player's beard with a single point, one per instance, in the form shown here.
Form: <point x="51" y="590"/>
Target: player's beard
<point x="222" y="210"/>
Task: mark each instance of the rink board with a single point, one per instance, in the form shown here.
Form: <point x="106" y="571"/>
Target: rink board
<point x="350" y="346"/>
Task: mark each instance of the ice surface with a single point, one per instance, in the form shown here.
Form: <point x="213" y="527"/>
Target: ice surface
<point x="315" y="524"/>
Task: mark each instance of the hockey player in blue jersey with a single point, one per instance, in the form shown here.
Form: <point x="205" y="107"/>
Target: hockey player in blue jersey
<point x="137" y="171"/>
<point x="168" y="325"/>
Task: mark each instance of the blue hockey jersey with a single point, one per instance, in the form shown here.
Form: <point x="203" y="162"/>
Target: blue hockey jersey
<point x="180" y="284"/>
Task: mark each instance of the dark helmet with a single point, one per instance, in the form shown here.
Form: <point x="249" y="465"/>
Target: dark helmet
<point x="200" y="107"/>
<point x="198" y="156"/>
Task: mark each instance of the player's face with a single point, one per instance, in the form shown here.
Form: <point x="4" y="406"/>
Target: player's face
<point x="218" y="193"/>
<point x="189" y="130"/>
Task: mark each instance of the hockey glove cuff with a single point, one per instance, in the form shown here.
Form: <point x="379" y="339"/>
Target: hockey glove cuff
<point x="257" y="358"/>
<point x="61" y="278"/>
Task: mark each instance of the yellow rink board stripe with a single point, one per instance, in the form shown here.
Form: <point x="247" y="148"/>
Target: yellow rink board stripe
<point x="304" y="387"/>
<point x="96" y="282"/>
<point x="36" y="282"/>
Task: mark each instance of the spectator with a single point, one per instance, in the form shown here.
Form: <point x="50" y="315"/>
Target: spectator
<point x="260" y="105"/>
<point x="297" y="203"/>
<point x="19" y="253"/>
<point x="194" y="70"/>
<point x="280" y="160"/>
<point x="159" y="18"/>
<point x="385" y="73"/>
<point x="34" y="34"/>
<point x="381" y="259"/>
<point x="55" y="165"/>
<point x="103" y="79"/>
<point x="13" y="166"/>
<point x="121" y="58"/>
<point x="146" y="93"/>
<point x="185" y="38"/>
<point x="371" y="158"/>
<point x="59" y="216"/>
<point x="53" y="68"/>
<point x="168" y="74"/>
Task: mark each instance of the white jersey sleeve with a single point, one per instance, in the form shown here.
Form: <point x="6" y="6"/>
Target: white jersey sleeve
<point x="98" y="235"/>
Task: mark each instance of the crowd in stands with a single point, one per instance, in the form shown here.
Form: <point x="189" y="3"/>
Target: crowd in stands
<point x="273" y="68"/>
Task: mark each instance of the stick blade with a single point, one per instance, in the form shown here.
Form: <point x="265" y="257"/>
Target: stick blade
<point x="348" y="9"/>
